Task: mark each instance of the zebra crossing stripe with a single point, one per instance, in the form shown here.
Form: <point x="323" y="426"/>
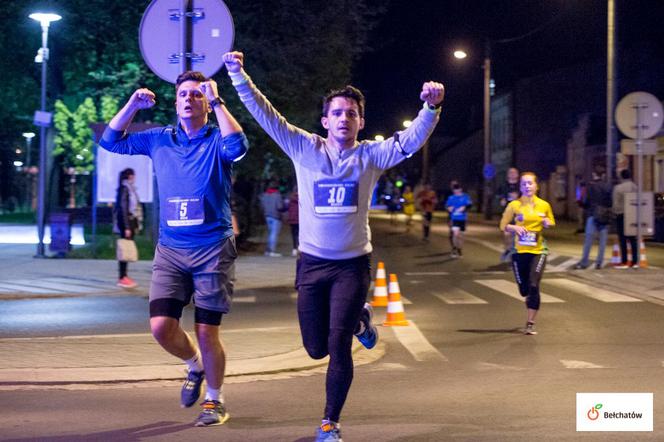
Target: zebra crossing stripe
<point x="512" y="290"/>
<point x="579" y="364"/>
<point x="455" y="295"/>
<point x="590" y="291"/>
<point x="417" y="345"/>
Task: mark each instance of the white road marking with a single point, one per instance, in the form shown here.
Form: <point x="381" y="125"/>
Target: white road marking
<point x="512" y="290"/>
<point x="427" y="273"/>
<point x="245" y="299"/>
<point x="593" y="292"/>
<point x="455" y="295"/>
<point x="565" y="265"/>
<point x="579" y="364"/>
<point x="412" y="338"/>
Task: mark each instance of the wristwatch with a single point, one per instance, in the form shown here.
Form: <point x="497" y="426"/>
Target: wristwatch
<point x="434" y="107"/>
<point x="218" y="101"/>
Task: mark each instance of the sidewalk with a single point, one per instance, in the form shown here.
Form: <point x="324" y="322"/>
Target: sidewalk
<point x="121" y="358"/>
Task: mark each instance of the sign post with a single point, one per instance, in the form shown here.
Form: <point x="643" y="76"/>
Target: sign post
<point x="639" y="116"/>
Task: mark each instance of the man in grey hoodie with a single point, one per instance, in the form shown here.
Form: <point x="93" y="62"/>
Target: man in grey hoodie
<point x="335" y="177"/>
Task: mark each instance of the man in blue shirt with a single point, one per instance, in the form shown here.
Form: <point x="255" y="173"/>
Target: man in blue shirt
<point x="196" y="250"/>
<point x="457" y="204"/>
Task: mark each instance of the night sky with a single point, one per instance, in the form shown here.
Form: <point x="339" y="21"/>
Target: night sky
<point x="415" y="40"/>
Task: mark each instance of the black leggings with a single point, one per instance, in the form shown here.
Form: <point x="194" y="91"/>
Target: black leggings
<point x="331" y="294"/>
<point x="528" y="269"/>
<point x="122" y="265"/>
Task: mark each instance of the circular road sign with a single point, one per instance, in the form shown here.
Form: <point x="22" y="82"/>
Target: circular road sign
<point x="650" y="110"/>
<point x="212" y="34"/>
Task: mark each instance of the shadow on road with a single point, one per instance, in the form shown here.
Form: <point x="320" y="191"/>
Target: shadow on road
<point x="126" y="434"/>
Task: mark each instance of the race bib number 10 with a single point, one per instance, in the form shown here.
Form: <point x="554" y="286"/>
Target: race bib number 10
<point x="331" y="196"/>
<point x="185" y="211"/>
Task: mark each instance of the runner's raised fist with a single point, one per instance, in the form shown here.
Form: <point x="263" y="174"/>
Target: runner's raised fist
<point x="142" y="99"/>
<point x="433" y="93"/>
<point x="234" y="61"/>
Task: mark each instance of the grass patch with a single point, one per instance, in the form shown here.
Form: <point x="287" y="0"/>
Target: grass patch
<point x="104" y="248"/>
<point x="18" y="218"/>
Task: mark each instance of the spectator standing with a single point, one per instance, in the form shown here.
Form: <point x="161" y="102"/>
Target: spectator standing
<point x="273" y="207"/>
<point x="626" y="186"/>
<point x="293" y="218"/>
<point x="128" y="215"/>
<point x="598" y="210"/>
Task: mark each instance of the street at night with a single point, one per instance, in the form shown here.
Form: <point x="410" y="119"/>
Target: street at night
<point x="462" y="369"/>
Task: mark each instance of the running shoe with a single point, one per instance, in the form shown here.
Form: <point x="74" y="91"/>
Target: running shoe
<point x="126" y="283"/>
<point x="369" y="336"/>
<point x="214" y="413"/>
<point x="191" y="389"/>
<point x="454" y="254"/>
<point x="328" y="432"/>
<point x="530" y="329"/>
<point x="621" y="266"/>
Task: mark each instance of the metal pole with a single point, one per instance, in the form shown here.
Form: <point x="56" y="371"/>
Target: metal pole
<point x="425" y="162"/>
<point x="610" y="88"/>
<point x="28" y="145"/>
<point x="486" y="200"/>
<point x="639" y="183"/>
<point x="41" y="189"/>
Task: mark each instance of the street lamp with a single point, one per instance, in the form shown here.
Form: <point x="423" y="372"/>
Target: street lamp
<point x="42" y="119"/>
<point x="28" y="144"/>
<point x="488" y="170"/>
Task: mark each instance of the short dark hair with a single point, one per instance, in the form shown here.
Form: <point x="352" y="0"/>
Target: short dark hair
<point x="350" y="92"/>
<point x="189" y="76"/>
<point x="456" y="186"/>
<point x="125" y="174"/>
<point x="625" y="174"/>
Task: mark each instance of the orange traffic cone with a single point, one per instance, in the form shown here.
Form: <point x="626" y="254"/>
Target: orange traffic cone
<point x="380" y="287"/>
<point x="615" y="256"/>
<point x="395" y="312"/>
<point x="643" y="260"/>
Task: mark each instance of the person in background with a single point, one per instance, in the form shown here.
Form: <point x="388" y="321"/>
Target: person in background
<point x="293" y="219"/>
<point x="273" y="207"/>
<point x="128" y="214"/>
<point x="626" y="186"/>
<point x="527" y="217"/>
<point x="598" y="207"/>
<point x="457" y="205"/>
<point x="426" y="200"/>
<point x="508" y="192"/>
<point x="408" y="206"/>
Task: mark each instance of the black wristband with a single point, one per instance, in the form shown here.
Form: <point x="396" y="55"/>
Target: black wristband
<point x="218" y="101"/>
<point x="434" y="107"/>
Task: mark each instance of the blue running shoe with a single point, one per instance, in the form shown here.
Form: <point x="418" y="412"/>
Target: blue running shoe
<point x="191" y="390"/>
<point x="328" y="432"/>
<point x="369" y="336"/>
<point x="214" y="413"/>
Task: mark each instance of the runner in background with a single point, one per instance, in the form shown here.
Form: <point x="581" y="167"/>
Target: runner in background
<point x="457" y="205"/>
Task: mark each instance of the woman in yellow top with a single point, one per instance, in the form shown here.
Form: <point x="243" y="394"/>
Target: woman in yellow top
<point x="530" y="215"/>
<point x="408" y="205"/>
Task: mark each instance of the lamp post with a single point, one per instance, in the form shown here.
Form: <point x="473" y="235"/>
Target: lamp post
<point x="488" y="169"/>
<point x="43" y="120"/>
<point x="28" y="144"/>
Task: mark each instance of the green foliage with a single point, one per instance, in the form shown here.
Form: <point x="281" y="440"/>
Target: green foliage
<point x="74" y="137"/>
<point x="109" y="107"/>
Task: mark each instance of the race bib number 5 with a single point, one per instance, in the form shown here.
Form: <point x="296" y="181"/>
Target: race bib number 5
<point x="331" y="196"/>
<point x="185" y="211"/>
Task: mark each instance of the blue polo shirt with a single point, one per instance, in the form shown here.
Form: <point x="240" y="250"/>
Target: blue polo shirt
<point x="193" y="176"/>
